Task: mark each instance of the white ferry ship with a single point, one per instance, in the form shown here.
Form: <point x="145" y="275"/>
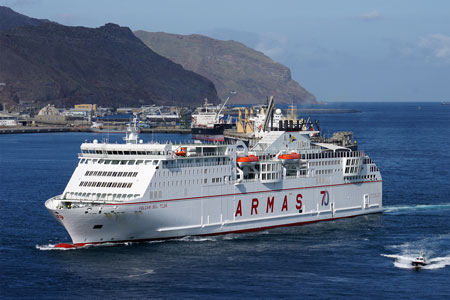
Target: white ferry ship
<point x="139" y="191"/>
<point x="208" y="123"/>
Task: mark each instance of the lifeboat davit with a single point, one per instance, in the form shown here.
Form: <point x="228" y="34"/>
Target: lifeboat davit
<point x="290" y="157"/>
<point x="181" y="151"/>
<point x="247" y="160"/>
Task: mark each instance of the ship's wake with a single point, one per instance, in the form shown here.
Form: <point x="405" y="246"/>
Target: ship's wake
<point x="404" y="261"/>
<point x="420" y="207"/>
<point x="434" y="248"/>
<point x="196" y="239"/>
<point x="50" y="247"/>
<point x="192" y="239"/>
<point x="138" y="272"/>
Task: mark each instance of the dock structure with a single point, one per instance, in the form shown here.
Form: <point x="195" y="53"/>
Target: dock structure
<point x="49" y="129"/>
<point x="166" y="130"/>
<point x="26" y="129"/>
<point x="234" y="135"/>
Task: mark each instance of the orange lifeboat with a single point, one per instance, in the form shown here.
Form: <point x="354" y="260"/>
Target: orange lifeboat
<point x="289" y="157"/>
<point x="181" y="151"/>
<point x="247" y="160"/>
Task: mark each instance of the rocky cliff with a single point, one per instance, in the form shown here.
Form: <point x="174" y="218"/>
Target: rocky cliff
<point x="231" y="66"/>
<point x="109" y="66"/>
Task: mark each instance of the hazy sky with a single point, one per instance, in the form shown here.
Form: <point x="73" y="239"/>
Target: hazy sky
<point x="392" y="50"/>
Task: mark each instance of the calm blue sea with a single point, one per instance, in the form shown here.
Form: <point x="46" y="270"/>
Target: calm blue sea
<point x="360" y="258"/>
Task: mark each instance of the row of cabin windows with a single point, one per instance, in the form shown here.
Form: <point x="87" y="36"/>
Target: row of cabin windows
<point x="155" y="194"/>
<point x="191" y="172"/>
<point x="270" y="176"/>
<point x="99" y="196"/>
<point x="352" y="162"/>
<point x="352" y="169"/>
<point x="330" y="154"/>
<point x="117" y="162"/>
<point x="374" y="169"/>
<point x="106" y="184"/>
<point x="323" y="180"/>
<point x="187" y="182"/>
<point x="110" y="173"/>
<point x="324" y="163"/>
<point x="216" y="180"/>
<point x="195" y="162"/>
<point x="359" y="177"/>
<point x="120" y="152"/>
<point x="180" y="182"/>
<point x="324" y="172"/>
<point x="367" y="161"/>
<point x="270" y="167"/>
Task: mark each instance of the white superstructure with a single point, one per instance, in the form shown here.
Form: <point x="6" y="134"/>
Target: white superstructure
<point x="7" y="120"/>
<point x="207" y="116"/>
<point x="141" y="191"/>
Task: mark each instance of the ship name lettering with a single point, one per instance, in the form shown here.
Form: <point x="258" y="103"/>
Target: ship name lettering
<point x="285" y="204"/>
<point x="145" y="207"/>
<point x="299" y="205"/>
<point x="255" y="204"/>
<point x="238" y="209"/>
<point x="270" y="204"/>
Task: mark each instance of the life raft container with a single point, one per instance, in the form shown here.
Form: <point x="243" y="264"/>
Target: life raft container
<point x="181" y="151"/>
<point x="289" y="156"/>
<point x="247" y="160"/>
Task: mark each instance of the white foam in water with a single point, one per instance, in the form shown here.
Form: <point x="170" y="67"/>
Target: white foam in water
<point x="52" y="246"/>
<point x="404" y="261"/>
<point x="438" y="262"/>
<point x="430" y="245"/>
<point x="183" y="239"/>
<point x="197" y="239"/>
<point x="229" y="237"/>
<point x="393" y="209"/>
<point x="142" y="272"/>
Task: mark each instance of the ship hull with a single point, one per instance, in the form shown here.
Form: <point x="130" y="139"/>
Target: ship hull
<point x="221" y="210"/>
<point x="213" y="134"/>
<point x="209" y="137"/>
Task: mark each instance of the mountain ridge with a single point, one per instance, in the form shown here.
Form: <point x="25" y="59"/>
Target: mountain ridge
<point x="108" y="65"/>
<point x="10" y="19"/>
<point x="231" y="65"/>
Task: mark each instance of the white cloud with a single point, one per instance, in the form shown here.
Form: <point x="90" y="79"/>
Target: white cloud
<point x="271" y="44"/>
<point x="431" y="49"/>
<point x="370" y="16"/>
<point x="436" y="46"/>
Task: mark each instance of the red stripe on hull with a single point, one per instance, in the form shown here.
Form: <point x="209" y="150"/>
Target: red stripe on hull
<point x="70" y="246"/>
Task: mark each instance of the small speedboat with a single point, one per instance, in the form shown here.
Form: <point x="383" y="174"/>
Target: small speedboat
<point x="419" y="262"/>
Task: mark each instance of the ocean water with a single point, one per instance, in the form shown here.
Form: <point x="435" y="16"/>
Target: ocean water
<point x="366" y="257"/>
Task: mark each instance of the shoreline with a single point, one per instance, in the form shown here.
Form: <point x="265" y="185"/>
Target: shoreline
<point x="328" y="110"/>
<point x="55" y="129"/>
